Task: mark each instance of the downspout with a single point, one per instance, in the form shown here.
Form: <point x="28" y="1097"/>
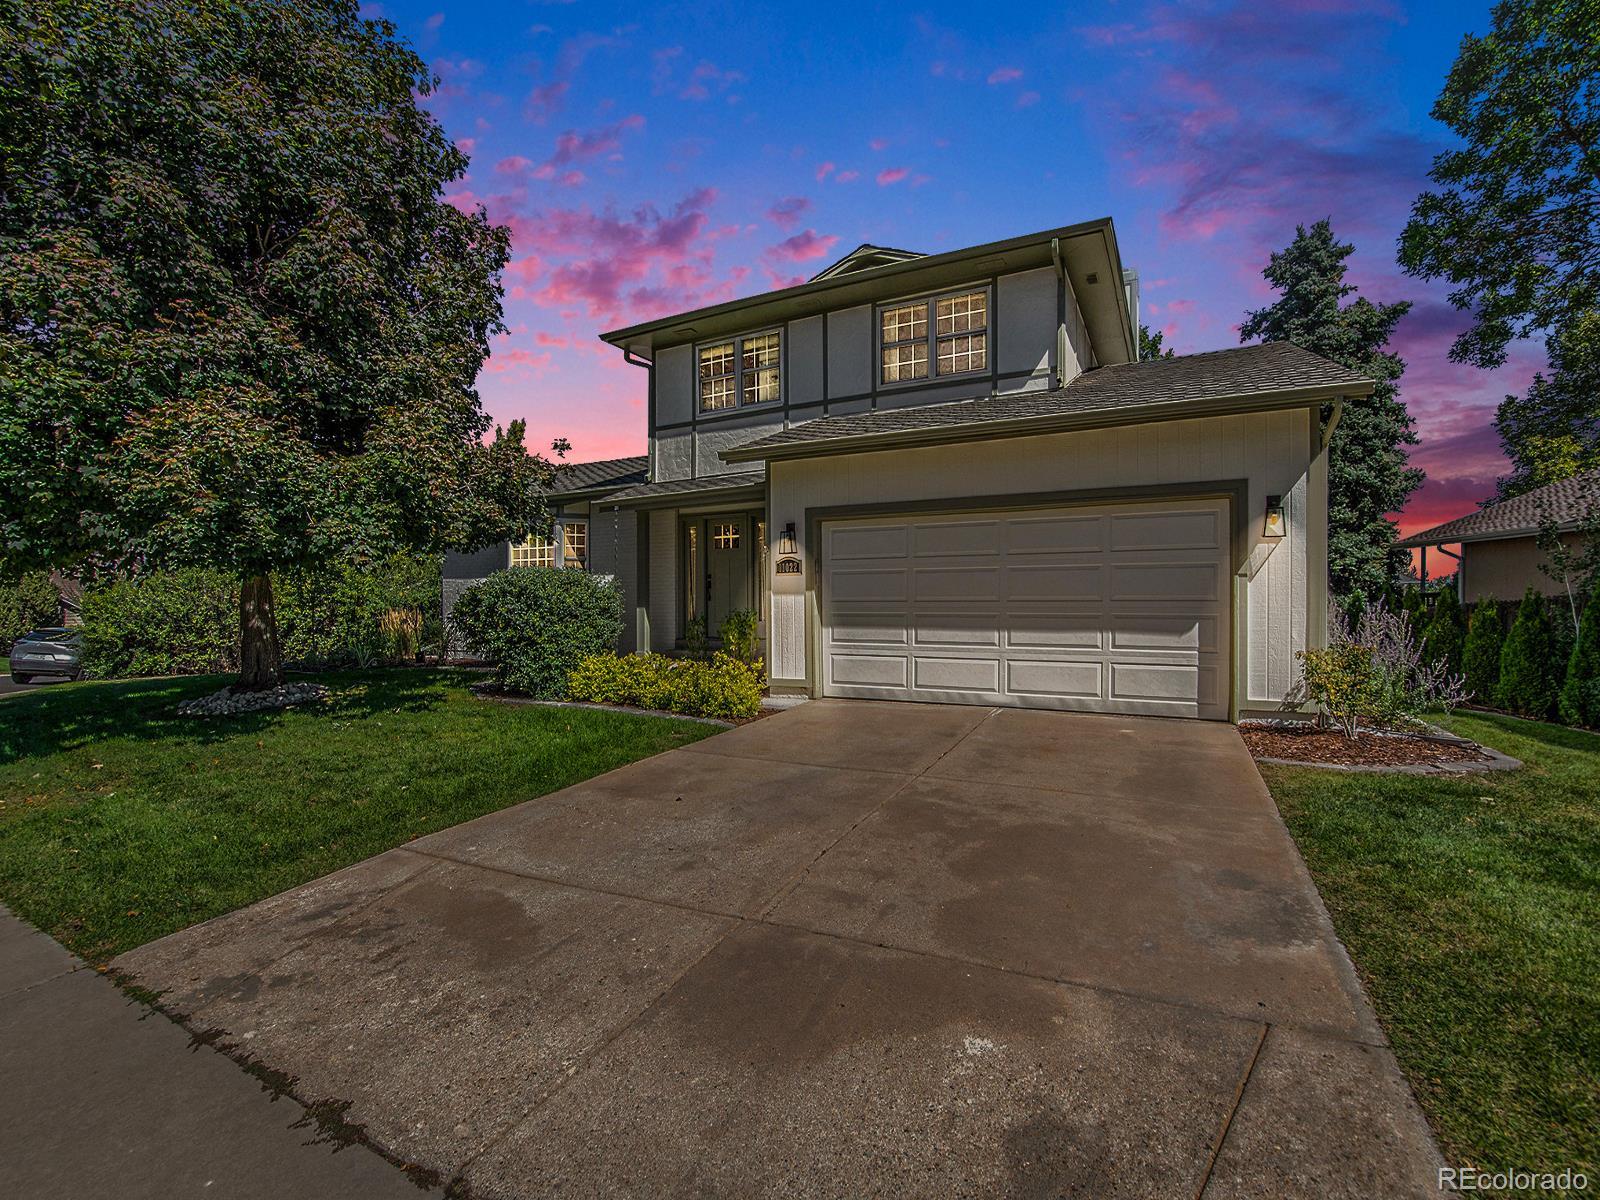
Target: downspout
<point x="1061" y="325"/>
<point x="633" y="360"/>
<point x="1461" y="571"/>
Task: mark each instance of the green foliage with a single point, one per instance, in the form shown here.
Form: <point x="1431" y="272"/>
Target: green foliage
<point x="401" y="631"/>
<point x="1368" y="475"/>
<point x="725" y="686"/>
<point x="1444" y="636"/>
<point x="1342" y="681"/>
<point x="1150" y="347"/>
<point x="1480" y="657"/>
<point x="331" y="616"/>
<point x="1579" y="702"/>
<point x="1530" y="674"/>
<point x="738" y="634"/>
<point x="241" y="325"/>
<point x="27" y="604"/>
<point x="1513" y="225"/>
<point x="1553" y="432"/>
<point x="537" y="623"/>
<point x="167" y="623"/>
<point x="695" y="643"/>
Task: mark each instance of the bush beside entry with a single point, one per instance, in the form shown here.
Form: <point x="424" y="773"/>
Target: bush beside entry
<point x="537" y="623"/>
<point x="722" y="687"/>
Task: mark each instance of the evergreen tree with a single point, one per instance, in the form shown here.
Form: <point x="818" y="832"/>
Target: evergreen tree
<point x="1368" y="475"/>
<point x="1480" y="658"/>
<point x="1443" y="638"/>
<point x="1529" y="673"/>
<point x="1579" y="703"/>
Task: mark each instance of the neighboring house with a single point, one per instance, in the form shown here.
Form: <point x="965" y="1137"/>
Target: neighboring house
<point x="945" y="478"/>
<point x="1500" y="556"/>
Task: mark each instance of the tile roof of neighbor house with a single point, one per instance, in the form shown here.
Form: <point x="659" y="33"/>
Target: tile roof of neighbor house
<point x="1266" y="370"/>
<point x="604" y="473"/>
<point x="1565" y="502"/>
<point x="703" y="483"/>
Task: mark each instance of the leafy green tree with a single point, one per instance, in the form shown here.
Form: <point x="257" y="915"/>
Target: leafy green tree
<point x="1150" y="345"/>
<point x="1530" y="675"/>
<point x="1553" y="432"/>
<point x="1480" y="658"/>
<point x="1444" y="636"/>
<point x="1367" y="471"/>
<point x="27" y="603"/>
<point x="1579" y="702"/>
<point x="241" y="327"/>
<point x="1514" y="225"/>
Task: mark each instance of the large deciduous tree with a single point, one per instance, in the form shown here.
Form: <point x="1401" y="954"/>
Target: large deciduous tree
<point x="1515" y="224"/>
<point x="1553" y="431"/>
<point x="1368" y="476"/>
<point x="238" y="324"/>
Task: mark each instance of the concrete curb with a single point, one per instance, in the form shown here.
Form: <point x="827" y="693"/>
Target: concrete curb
<point x="1497" y="761"/>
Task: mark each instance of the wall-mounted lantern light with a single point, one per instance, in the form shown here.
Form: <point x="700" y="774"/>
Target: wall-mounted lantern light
<point x="1276" y="526"/>
<point x="786" y="542"/>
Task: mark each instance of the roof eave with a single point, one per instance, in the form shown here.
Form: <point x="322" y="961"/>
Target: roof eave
<point x="1042" y="424"/>
<point x="1430" y="537"/>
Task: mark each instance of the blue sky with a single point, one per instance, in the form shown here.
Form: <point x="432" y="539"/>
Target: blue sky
<point x="652" y="160"/>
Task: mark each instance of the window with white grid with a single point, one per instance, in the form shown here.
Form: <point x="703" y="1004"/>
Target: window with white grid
<point x="950" y="334"/>
<point x="534" y="552"/>
<point x="575" y="544"/>
<point x="741" y="372"/>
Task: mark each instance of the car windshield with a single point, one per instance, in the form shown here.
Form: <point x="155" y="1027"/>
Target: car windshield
<point x="50" y="635"/>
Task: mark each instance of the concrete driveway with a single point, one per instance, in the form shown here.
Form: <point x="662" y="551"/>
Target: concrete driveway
<point x="852" y="949"/>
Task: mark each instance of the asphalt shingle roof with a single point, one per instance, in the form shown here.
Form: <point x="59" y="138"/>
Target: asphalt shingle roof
<point x="702" y="483"/>
<point x="1565" y="503"/>
<point x="1217" y="375"/>
<point x="604" y="473"/>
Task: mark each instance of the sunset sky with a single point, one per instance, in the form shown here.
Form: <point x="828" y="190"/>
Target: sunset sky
<point x="653" y="160"/>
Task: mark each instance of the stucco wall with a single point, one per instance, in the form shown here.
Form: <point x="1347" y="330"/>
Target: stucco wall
<point x="1274" y="596"/>
<point x="1505" y="569"/>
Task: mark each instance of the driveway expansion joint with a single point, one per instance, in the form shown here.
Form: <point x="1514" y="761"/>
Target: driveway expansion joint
<point x="1233" y="1109"/>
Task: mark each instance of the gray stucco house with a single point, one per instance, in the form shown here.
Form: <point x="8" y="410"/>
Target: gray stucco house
<point x="946" y="478"/>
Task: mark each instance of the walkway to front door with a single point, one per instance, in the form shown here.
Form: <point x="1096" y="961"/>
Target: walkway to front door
<point x="855" y="948"/>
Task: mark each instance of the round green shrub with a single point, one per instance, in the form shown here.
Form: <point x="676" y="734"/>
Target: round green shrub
<point x="537" y="623"/>
<point x="1529" y="673"/>
<point x="1579" y="703"/>
<point x="1480" y="657"/>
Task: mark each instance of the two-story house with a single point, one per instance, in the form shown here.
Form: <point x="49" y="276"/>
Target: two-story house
<point x="947" y="478"/>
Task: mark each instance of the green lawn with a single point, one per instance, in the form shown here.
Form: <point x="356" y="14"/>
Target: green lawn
<point x="121" y="822"/>
<point x="1471" y="905"/>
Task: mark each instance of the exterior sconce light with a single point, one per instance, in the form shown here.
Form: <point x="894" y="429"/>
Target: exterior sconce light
<point x="1276" y="526"/>
<point x="786" y="542"/>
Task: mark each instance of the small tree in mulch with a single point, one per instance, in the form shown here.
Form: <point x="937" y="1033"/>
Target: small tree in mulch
<point x="1480" y="657"/>
<point x="1579" y="702"/>
<point x="1444" y="638"/>
<point x="1529" y="672"/>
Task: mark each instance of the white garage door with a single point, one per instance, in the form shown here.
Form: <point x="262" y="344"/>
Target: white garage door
<point x="1107" y="608"/>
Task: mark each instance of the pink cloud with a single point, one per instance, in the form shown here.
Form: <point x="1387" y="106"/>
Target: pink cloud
<point x="433" y="22"/>
<point x="1027" y="99"/>
<point x="514" y="165"/>
<point x="804" y="246"/>
<point x="892" y="175"/>
<point x="786" y="213"/>
<point x="573" y="146"/>
<point x="1004" y="75"/>
<point x="551" y="339"/>
<point x="878" y="144"/>
<point x="545" y="100"/>
<point x="847" y="176"/>
<point x="824" y="170"/>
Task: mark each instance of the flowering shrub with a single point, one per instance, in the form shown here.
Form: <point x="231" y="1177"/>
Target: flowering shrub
<point x="722" y="687"/>
<point x="1373" y="674"/>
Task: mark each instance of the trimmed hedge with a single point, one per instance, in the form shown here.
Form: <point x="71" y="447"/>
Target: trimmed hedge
<point x="537" y="623"/>
<point x="722" y="687"/>
<point x="169" y="623"/>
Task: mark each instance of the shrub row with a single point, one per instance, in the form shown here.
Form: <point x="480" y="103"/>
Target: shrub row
<point x="27" y="604"/>
<point x="187" y="622"/>
<point x="722" y="687"/>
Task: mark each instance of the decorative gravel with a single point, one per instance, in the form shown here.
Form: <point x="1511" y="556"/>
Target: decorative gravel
<point x="1329" y="747"/>
<point x="229" y="702"/>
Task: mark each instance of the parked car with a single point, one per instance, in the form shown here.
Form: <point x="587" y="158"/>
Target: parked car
<point x="47" y="652"/>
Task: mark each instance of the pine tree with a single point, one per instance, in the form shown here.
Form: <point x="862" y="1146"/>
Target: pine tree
<point x="1529" y="673"/>
<point x="1579" y="703"/>
<point x="1443" y="637"/>
<point x="1368" y="475"/>
<point x="1480" y="658"/>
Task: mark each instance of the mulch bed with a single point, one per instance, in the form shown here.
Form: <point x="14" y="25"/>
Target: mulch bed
<point x="1329" y="747"/>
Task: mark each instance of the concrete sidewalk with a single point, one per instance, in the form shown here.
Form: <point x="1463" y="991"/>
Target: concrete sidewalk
<point x="104" y="1098"/>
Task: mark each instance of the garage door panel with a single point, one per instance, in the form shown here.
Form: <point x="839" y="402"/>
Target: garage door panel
<point x="1109" y="608"/>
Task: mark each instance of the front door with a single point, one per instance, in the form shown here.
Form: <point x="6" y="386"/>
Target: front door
<point x="727" y="541"/>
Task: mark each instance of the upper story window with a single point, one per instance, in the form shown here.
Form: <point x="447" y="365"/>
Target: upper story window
<point x="955" y="341"/>
<point x="741" y="372"/>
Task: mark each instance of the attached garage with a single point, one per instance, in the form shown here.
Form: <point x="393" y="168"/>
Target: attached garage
<point x="1120" y="608"/>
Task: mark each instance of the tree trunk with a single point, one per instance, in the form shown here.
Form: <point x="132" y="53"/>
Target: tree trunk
<point x="260" y="652"/>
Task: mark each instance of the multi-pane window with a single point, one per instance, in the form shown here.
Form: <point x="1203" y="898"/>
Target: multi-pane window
<point x="575" y="544"/>
<point x="534" y="552"/>
<point x="741" y="371"/>
<point x="725" y="537"/>
<point x="956" y="341"/>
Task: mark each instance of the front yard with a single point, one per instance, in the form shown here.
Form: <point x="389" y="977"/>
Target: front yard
<point x="121" y="822"/>
<point x="1471" y="906"/>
